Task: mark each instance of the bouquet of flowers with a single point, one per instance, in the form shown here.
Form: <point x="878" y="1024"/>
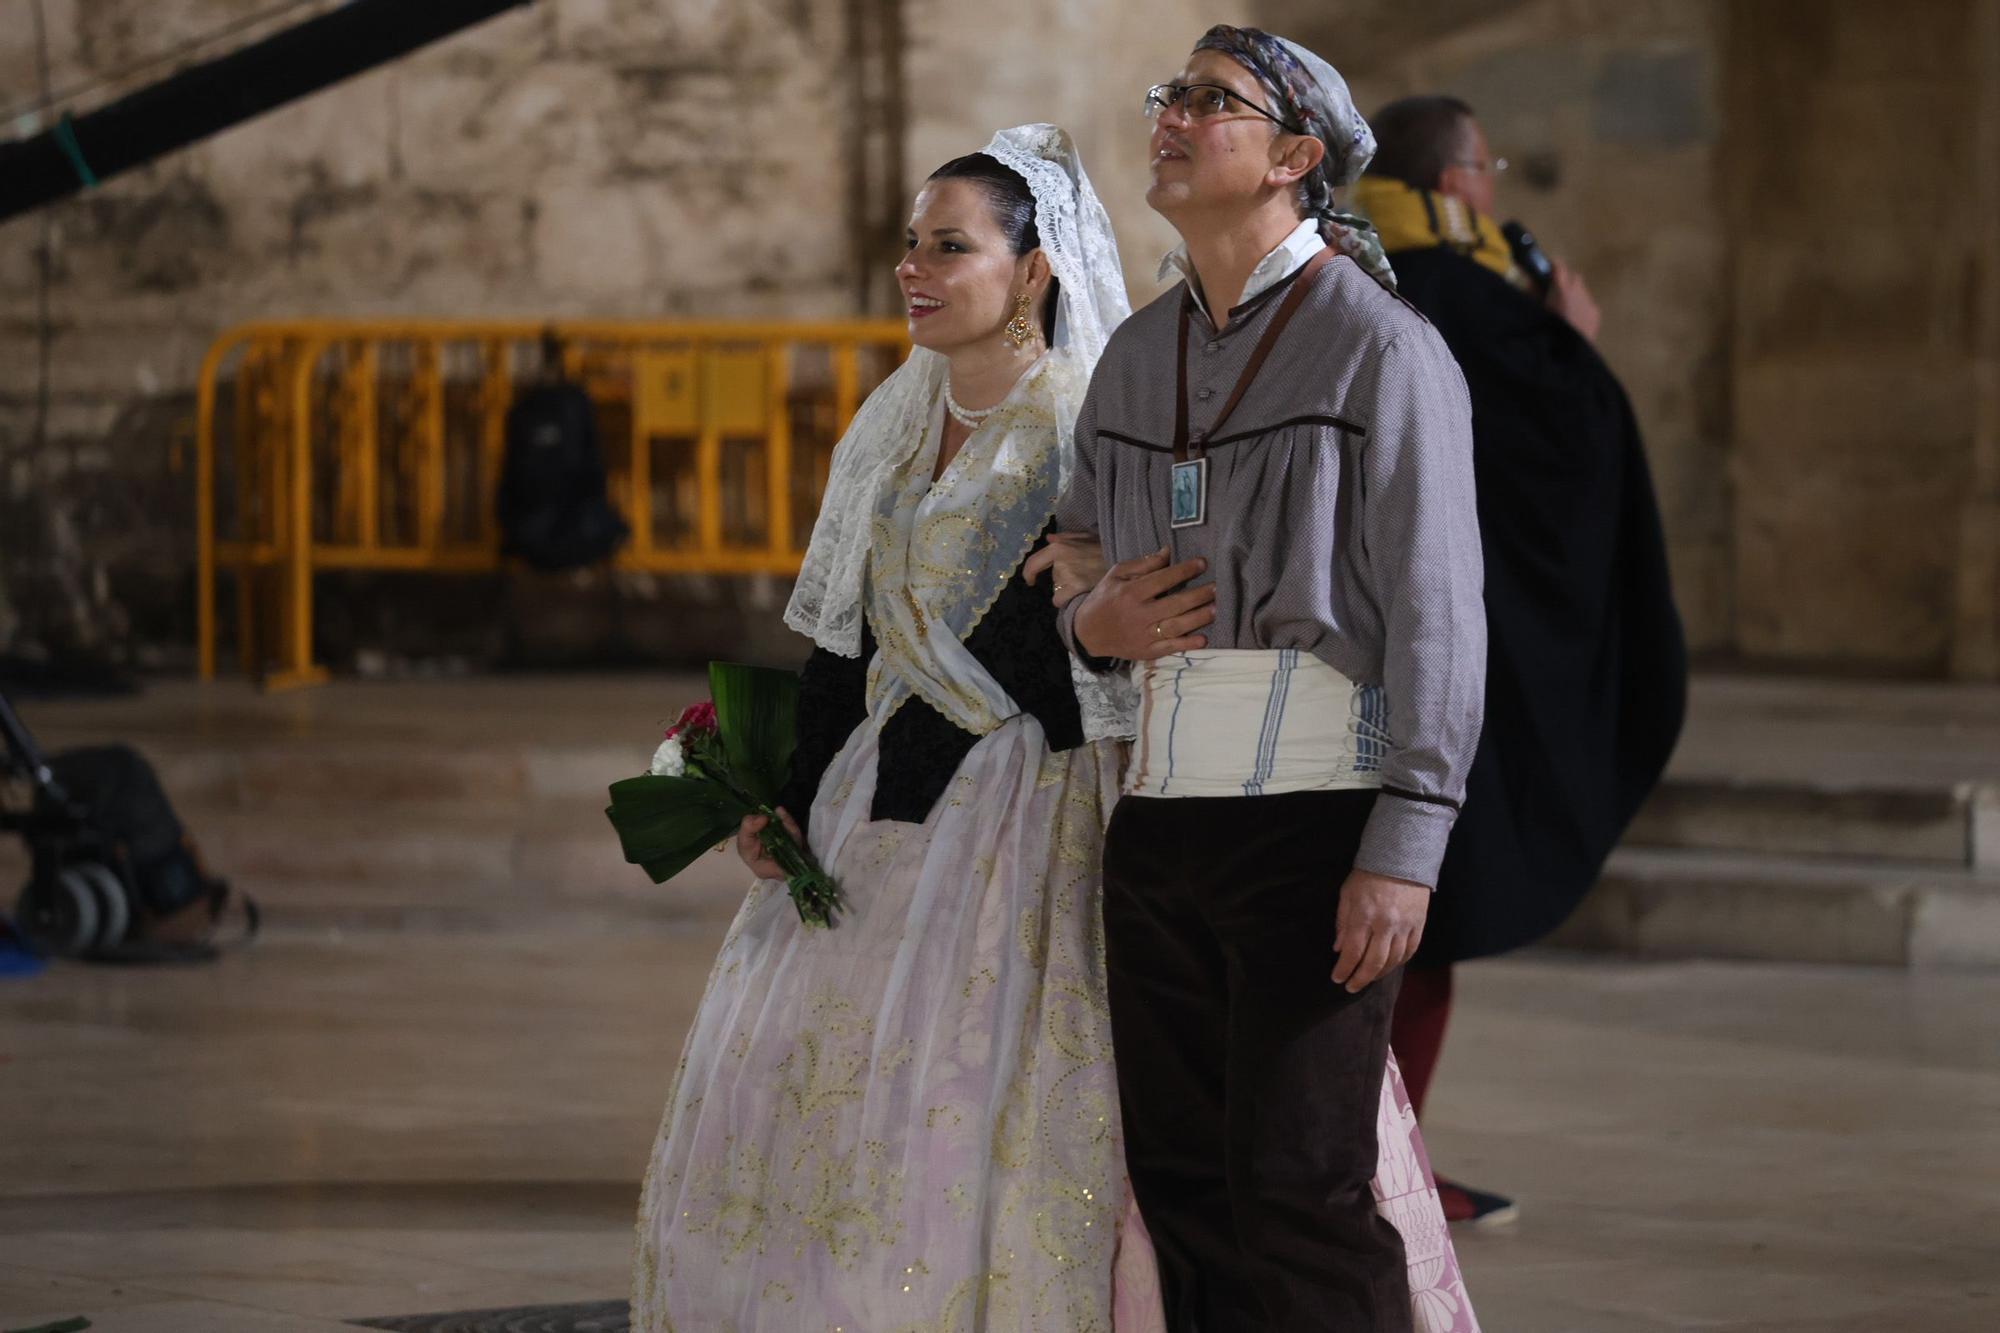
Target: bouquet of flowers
<point x="724" y="759"/>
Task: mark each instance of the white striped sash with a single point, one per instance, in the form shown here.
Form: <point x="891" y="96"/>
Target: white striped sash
<point x="1254" y="722"/>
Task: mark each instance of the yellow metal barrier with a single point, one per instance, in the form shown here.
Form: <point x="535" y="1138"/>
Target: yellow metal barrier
<point x="354" y="444"/>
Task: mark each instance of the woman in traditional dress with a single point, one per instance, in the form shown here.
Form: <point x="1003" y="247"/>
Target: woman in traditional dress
<point x="910" y="1121"/>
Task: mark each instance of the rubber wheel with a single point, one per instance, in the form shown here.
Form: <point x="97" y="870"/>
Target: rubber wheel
<point x="114" y="912"/>
<point x="63" y="920"/>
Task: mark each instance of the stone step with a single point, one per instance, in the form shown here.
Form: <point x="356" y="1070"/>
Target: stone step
<point x="1945" y="825"/>
<point x="562" y="871"/>
<point x="357" y="870"/>
<point x="1799" y="818"/>
<point x="409" y="781"/>
<point x="563" y="859"/>
<point x="559" y="852"/>
<point x="1707" y="904"/>
<point x="298" y="905"/>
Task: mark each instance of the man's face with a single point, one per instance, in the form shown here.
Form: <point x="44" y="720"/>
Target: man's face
<point x="1215" y="160"/>
<point x="1469" y="175"/>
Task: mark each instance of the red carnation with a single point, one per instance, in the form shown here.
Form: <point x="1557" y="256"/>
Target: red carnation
<point x="697" y="718"/>
<point x="698" y="790"/>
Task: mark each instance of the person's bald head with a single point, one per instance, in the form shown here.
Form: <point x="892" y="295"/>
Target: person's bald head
<point x="1435" y="143"/>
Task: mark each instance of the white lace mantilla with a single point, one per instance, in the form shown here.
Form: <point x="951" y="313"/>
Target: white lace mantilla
<point x="870" y="465"/>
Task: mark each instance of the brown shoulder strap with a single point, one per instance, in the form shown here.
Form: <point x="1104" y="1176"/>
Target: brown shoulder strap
<point x="1293" y="299"/>
<point x="1286" y="309"/>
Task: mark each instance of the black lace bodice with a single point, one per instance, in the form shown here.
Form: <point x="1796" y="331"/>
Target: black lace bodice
<point x="921" y="748"/>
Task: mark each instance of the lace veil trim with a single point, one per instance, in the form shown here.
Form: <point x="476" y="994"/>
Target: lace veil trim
<point x="889" y="431"/>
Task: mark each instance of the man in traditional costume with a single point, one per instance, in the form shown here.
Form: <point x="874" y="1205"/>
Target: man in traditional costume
<point x="1277" y="453"/>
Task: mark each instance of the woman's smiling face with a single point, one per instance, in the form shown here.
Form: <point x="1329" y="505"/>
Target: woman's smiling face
<point x="959" y="276"/>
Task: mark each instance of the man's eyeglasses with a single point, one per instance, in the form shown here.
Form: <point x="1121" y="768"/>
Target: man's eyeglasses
<point x="1495" y="165"/>
<point x="1203" y="100"/>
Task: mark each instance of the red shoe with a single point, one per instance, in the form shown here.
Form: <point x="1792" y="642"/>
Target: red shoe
<point x="1474" y="1208"/>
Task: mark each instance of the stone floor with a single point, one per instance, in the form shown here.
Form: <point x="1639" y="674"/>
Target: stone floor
<point x="433" y="1085"/>
<point x="331" y="1127"/>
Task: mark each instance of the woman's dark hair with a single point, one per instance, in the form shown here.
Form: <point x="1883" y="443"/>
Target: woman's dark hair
<point x="1013" y="209"/>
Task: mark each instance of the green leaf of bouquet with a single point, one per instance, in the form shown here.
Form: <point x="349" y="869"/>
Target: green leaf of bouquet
<point x="665" y="823"/>
<point x="756" y="707"/>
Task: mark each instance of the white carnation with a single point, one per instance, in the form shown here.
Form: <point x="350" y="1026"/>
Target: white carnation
<point x="669" y="761"/>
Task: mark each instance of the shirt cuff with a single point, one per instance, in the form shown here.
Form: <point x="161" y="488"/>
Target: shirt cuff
<point x="1405" y="839"/>
<point x="1066" y="630"/>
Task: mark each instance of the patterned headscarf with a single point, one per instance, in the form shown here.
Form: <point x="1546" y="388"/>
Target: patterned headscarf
<point x="1310" y="95"/>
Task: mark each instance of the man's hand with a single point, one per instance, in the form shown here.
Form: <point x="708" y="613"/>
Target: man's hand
<point x="1377" y="928"/>
<point x="1134" y="613"/>
<point x="751" y="848"/>
<point x="1077" y="559"/>
<point x="1570" y="298"/>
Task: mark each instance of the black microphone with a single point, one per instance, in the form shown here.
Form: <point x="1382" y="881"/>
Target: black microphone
<point x="1529" y="256"/>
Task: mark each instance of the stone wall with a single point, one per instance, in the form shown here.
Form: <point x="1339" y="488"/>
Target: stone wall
<point x="1864" y="150"/>
<point x="1790" y="213"/>
<point x="1780" y="205"/>
<point x="1607" y="113"/>
<point x="1081" y="64"/>
<point x="605" y="157"/>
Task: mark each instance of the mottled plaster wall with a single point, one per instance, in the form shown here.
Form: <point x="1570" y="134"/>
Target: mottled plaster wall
<point x="1608" y="113"/>
<point x="605" y="157"/>
<point x="1864" y="148"/>
<point x="1787" y="208"/>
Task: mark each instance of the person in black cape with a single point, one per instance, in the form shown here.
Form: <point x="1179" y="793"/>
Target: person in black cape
<point x="1586" y="674"/>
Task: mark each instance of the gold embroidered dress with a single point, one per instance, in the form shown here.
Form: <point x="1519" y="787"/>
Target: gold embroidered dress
<point x="909" y="1122"/>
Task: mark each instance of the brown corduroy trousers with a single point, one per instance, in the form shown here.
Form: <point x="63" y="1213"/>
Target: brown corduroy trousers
<point x="1249" y="1081"/>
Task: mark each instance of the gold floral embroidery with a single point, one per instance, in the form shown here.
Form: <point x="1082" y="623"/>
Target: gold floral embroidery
<point x="803" y="1179"/>
<point x="980" y="1300"/>
<point x="942" y="552"/>
<point x="842" y="1198"/>
<point x="895" y="1059"/>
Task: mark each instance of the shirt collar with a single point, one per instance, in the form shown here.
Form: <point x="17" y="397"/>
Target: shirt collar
<point x="1291" y="255"/>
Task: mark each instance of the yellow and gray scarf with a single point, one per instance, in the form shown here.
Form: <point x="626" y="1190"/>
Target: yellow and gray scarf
<point x="1407" y="218"/>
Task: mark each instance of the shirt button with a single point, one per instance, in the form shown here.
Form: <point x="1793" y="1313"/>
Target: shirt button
<point x="1213" y="347"/>
<point x="1204" y="394"/>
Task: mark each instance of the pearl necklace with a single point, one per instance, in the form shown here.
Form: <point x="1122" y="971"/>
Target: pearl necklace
<point x="964" y="416"/>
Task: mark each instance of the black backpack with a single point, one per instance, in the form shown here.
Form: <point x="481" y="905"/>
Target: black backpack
<point x="554" y="505"/>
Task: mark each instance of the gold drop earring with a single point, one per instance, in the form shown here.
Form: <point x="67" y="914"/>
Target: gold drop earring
<point x="1018" y="328"/>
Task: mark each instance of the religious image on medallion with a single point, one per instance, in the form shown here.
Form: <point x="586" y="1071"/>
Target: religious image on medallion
<point x="1190" y="493"/>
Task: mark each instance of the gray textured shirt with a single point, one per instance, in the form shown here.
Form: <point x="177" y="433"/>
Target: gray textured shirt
<point x="1341" y="518"/>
